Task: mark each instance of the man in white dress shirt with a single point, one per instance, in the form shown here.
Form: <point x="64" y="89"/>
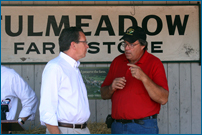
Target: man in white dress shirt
<point x="14" y="87"/>
<point x="64" y="107"/>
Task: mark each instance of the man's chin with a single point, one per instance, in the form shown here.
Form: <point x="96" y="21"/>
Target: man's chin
<point x="127" y="56"/>
<point x="84" y="56"/>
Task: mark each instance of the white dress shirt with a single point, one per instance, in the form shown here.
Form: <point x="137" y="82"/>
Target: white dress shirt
<point x="63" y="93"/>
<point x="14" y="87"/>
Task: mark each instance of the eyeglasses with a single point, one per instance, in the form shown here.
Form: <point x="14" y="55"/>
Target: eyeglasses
<point x="85" y="42"/>
<point x="130" y="45"/>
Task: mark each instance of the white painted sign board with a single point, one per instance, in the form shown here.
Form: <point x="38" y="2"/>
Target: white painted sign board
<point x="29" y="34"/>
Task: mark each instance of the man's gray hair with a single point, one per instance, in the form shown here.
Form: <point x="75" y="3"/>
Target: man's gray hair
<point x="143" y="43"/>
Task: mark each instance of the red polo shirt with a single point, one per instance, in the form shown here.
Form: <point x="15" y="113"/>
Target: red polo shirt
<point x="133" y="102"/>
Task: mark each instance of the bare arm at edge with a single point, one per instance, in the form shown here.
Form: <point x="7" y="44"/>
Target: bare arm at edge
<point x="53" y="129"/>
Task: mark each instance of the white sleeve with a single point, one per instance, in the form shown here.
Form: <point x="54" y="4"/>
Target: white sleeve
<point x="49" y="95"/>
<point x="27" y="96"/>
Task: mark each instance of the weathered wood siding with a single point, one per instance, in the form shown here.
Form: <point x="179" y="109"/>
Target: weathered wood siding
<point x="182" y="113"/>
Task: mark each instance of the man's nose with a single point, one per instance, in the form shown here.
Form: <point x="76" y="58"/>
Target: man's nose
<point x="127" y="47"/>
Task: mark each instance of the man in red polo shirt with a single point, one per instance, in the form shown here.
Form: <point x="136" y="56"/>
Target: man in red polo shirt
<point x="137" y="86"/>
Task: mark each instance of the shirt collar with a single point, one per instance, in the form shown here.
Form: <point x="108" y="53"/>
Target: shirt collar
<point x="70" y="60"/>
<point x="143" y="58"/>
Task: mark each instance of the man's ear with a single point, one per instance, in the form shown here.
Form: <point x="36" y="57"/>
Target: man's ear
<point x="73" y="45"/>
<point x="142" y="47"/>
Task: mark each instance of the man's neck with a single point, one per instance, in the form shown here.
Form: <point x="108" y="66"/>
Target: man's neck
<point x="70" y="54"/>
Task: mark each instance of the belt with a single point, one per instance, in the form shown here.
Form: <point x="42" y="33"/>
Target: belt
<point x="72" y="125"/>
<point x="139" y="121"/>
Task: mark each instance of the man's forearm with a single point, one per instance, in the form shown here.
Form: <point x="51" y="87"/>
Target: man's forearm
<point x="24" y="118"/>
<point x="157" y="93"/>
<point x="53" y="129"/>
<point x="106" y="92"/>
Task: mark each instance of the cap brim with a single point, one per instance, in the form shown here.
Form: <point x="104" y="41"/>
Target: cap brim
<point x="128" y="38"/>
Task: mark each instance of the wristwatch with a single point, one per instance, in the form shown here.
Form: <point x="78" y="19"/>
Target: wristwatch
<point x="20" y="120"/>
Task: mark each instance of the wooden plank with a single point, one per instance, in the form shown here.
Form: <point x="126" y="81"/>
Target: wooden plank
<point x="102" y="110"/>
<point x="112" y="2"/>
<point x="136" y="2"/>
<point x="28" y="76"/>
<point x="195" y="2"/>
<point x="15" y="2"/>
<point x="158" y="2"/>
<point x="39" y="2"/>
<point x="185" y="99"/>
<point x="17" y="68"/>
<point x="124" y="2"/>
<point x="173" y="104"/>
<point x="52" y="2"/>
<point x="196" y="98"/>
<point x="172" y="2"/>
<point x="37" y="84"/>
<point x="154" y="2"/>
<point x="163" y="115"/>
<point x="163" y="119"/>
<point x="165" y="65"/>
<point x="89" y="2"/>
<point x="100" y="2"/>
<point x="6" y="65"/>
<point x="184" y="2"/>
<point x="93" y="111"/>
<point x="63" y="2"/>
<point x="76" y="2"/>
<point x="27" y="2"/>
<point x="4" y="2"/>
<point x="109" y="106"/>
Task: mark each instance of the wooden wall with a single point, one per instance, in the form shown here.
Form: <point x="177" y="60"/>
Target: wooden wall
<point x="182" y="113"/>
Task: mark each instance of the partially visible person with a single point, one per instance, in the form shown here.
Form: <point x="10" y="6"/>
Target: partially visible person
<point x="64" y="107"/>
<point x="13" y="87"/>
<point x="137" y="86"/>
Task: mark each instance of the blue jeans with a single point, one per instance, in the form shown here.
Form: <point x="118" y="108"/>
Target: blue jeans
<point x="149" y="127"/>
